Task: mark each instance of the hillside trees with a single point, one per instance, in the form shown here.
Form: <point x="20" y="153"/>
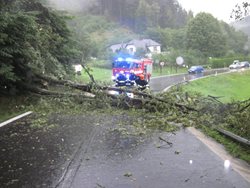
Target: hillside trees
<point x="236" y="40"/>
<point x="203" y="37"/>
<point x="166" y="22"/>
<point x="204" y="34"/>
<point x="154" y="14"/>
<point x="34" y="41"/>
<point x="141" y="14"/>
<point x="168" y="38"/>
<point x="213" y="38"/>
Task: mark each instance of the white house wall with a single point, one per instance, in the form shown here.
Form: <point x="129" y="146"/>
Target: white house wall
<point x="158" y="49"/>
<point x="155" y="49"/>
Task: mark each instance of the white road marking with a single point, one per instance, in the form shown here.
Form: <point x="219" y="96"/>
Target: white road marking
<point x="15" y="118"/>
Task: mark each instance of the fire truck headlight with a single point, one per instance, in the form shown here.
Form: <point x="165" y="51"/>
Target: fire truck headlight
<point x="119" y="59"/>
<point x="129" y="59"/>
<point x="113" y="77"/>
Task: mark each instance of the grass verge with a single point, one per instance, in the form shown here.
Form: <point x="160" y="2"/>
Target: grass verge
<point x="233" y="86"/>
<point x="99" y="74"/>
<point x="235" y="149"/>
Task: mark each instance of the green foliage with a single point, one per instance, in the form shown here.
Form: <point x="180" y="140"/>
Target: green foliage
<point x="168" y="38"/>
<point x="166" y="111"/>
<point x="138" y="15"/>
<point x="34" y="40"/>
<point x="6" y="71"/>
<point x="227" y="116"/>
<point x="204" y="37"/>
<point x="17" y="49"/>
<point x="226" y="61"/>
<point x="96" y="33"/>
<point x="211" y="114"/>
<point x="236" y="40"/>
<point x="204" y="34"/>
<point x="229" y="86"/>
<point x="178" y="38"/>
<point x="239" y="123"/>
<point x="235" y="149"/>
<point x="96" y="29"/>
<point x="191" y="57"/>
<point x="141" y="16"/>
<point x="157" y="34"/>
<point x="160" y="57"/>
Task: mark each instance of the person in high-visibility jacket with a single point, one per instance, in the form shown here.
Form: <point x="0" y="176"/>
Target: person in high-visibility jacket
<point x="141" y="80"/>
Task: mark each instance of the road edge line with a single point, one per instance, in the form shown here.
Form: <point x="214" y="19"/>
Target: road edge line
<point x="238" y="165"/>
<point x="15" y="118"/>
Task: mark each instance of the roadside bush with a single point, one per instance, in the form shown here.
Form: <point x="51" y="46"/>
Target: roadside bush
<point x="226" y="61"/>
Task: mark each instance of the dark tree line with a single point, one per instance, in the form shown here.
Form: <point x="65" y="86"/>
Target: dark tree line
<point x="140" y="14"/>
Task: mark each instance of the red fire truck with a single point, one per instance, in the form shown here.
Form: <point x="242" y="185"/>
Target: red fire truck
<point x="127" y="66"/>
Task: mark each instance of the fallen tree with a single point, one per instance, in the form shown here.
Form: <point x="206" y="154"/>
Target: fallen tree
<point x="193" y="110"/>
<point x="90" y="90"/>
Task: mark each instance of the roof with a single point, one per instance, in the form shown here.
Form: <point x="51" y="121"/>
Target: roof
<point x="143" y="43"/>
<point x="117" y="46"/>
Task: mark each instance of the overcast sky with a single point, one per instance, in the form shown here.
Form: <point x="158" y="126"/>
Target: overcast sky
<point x="221" y="9"/>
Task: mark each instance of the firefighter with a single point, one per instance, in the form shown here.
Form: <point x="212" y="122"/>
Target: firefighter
<point x="132" y="77"/>
<point x="141" y="82"/>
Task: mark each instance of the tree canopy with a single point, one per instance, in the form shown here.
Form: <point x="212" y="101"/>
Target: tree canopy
<point x="204" y="33"/>
<point x="203" y="37"/>
<point x="34" y="40"/>
<point x="140" y="14"/>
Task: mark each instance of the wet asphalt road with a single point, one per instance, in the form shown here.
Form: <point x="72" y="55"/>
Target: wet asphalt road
<point x="109" y="160"/>
<point x="158" y="84"/>
<point x="112" y="161"/>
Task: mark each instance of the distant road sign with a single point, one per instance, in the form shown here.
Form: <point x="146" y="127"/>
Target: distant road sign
<point x="179" y="60"/>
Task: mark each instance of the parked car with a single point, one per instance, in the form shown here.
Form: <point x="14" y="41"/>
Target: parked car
<point x="235" y="65"/>
<point x="195" y="69"/>
<point x="244" y="64"/>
